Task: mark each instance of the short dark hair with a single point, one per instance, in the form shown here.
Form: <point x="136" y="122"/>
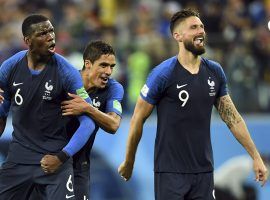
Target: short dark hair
<point x="30" y="20"/>
<point x="181" y="16"/>
<point x="94" y="50"/>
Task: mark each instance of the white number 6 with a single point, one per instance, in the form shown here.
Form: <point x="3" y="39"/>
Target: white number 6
<point x="183" y="96"/>
<point x="18" y="98"/>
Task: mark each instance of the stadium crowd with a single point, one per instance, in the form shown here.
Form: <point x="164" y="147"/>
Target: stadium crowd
<point x="238" y="38"/>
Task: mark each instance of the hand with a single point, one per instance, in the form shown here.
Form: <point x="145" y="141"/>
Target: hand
<point x="125" y="170"/>
<point x="50" y="163"/>
<point x="1" y="97"/>
<point x="75" y="106"/>
<point x="260" y="170"/>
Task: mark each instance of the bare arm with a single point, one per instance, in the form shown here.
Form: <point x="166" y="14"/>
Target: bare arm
<point x="141" y="113"/>
<point x="76" y="106"/>
<point x="3" y="121"/>
<point x="237" y="125"/>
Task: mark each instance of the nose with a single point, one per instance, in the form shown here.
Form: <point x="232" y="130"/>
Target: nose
<point x="50" y="36"/>
<point x="108" y="71"/>
<point x="201" y="30"/>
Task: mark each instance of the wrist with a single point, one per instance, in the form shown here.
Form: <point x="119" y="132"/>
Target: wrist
<point x="62" y="156"/>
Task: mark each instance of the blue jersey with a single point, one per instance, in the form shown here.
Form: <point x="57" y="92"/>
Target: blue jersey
<point x="184" y="104"/>
<point x="35" y="100"/>
<point x="106" y="100"/>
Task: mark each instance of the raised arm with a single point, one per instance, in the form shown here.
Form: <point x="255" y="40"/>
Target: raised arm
<point x="141" y="113"/>
<point x="237" y="125"/>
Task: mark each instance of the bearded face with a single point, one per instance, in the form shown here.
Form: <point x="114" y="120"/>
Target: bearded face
<point x="195" y="45"/>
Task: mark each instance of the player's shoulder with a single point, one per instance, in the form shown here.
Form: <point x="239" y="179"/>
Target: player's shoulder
<point x="115" y="86"/>
<point x="212" y="65"/>
<point x="112" y="83"/>
<point x="65" y="68"/>
<point x="10" y="62"/>
<point x="165" y="68"/>
<point x="63" y="63"/>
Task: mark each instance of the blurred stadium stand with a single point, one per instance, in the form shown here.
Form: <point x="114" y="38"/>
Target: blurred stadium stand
<point x="238" y="38"/>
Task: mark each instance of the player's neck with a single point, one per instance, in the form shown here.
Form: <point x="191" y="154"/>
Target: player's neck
<point x="189" y="61"/>
<point x="89" y="87"/>
<point x="36" y="62"/>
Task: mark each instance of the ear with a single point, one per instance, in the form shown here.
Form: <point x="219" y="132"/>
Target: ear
<point x="27" y="40"/>
<point x="178" y="36"/>
<point x="87" y="64"/>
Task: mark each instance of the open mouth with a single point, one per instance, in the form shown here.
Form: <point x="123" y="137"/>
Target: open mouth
<point x="199" y="41"/>
<point x="52" y="48"/>
<point x="104" y="79"/>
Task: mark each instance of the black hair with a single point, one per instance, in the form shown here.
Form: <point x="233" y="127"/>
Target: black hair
<point x="182" y="15"/>
<point x="94" y="50"/>
<point x="30" y="20"/>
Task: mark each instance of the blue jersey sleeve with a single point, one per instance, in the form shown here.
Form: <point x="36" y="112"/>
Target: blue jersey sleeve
<point x="5" y="70"/>
<point x="115" y="96"/>
<point x="73" y="84"/>
<point x="223" y="89"/>
<point x="157" y="80"/>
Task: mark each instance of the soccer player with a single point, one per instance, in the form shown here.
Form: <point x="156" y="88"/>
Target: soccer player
<point x="35" y="82"/>
<point x="106" y="94"/>
<point x="184" y="89"/>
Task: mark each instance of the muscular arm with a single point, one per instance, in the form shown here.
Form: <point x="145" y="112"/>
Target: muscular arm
<point x="76" y="106"/>
<point x="141" y="113"/>
<point x="237" y="125"/>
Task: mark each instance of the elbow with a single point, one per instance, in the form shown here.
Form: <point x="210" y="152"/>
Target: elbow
<point x="112" y="130"/>
<point x="113" y="127"/>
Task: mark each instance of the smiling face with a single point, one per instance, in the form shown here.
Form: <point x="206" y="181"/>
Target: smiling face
<point x="191" y="33"/>
<point x="41" y="41"/>
<point x="100" y="70"/>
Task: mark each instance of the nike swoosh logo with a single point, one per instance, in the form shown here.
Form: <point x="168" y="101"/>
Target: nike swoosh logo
<point x="16" y="84"/>
<point x="69" y="196"/>
<point x="180" y="86"/>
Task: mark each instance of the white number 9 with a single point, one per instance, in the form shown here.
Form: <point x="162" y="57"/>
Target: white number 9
<point x="183" y="96"/>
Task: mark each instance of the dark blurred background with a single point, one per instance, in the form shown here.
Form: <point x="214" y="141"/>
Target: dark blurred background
<point x="238" y="38"/>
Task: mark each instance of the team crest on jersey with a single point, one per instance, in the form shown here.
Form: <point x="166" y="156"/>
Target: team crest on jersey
<point x="211" y="83"/>
<point x="48" y="90"/>
<point x="96" y="103"/>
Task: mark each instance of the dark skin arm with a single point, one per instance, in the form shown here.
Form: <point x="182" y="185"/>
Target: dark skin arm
<point x="237" y="126"/>
<point x="109" y="122"/>
<point x="3" y="121"/>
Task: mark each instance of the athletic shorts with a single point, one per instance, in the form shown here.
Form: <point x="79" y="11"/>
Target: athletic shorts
<point x="82" y="184"/>
<point x="178" y="186"/>
<point x="17" y="182"/>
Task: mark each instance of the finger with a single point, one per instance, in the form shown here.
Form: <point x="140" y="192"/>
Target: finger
<point x="125" y="179"/>
<point x="67" y="113"/>
<point x="72" y="95"/>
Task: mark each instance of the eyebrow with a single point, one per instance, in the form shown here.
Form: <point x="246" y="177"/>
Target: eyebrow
<point x="107" y="64"/>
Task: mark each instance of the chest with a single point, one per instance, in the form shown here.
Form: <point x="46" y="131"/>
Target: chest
<point x="26" y="88"/>
<point x="185" y="89"/>
<point x="99" y="99"/>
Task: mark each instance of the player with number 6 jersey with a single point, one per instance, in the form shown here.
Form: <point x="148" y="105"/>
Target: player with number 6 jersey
<point x="35" y="82"/>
